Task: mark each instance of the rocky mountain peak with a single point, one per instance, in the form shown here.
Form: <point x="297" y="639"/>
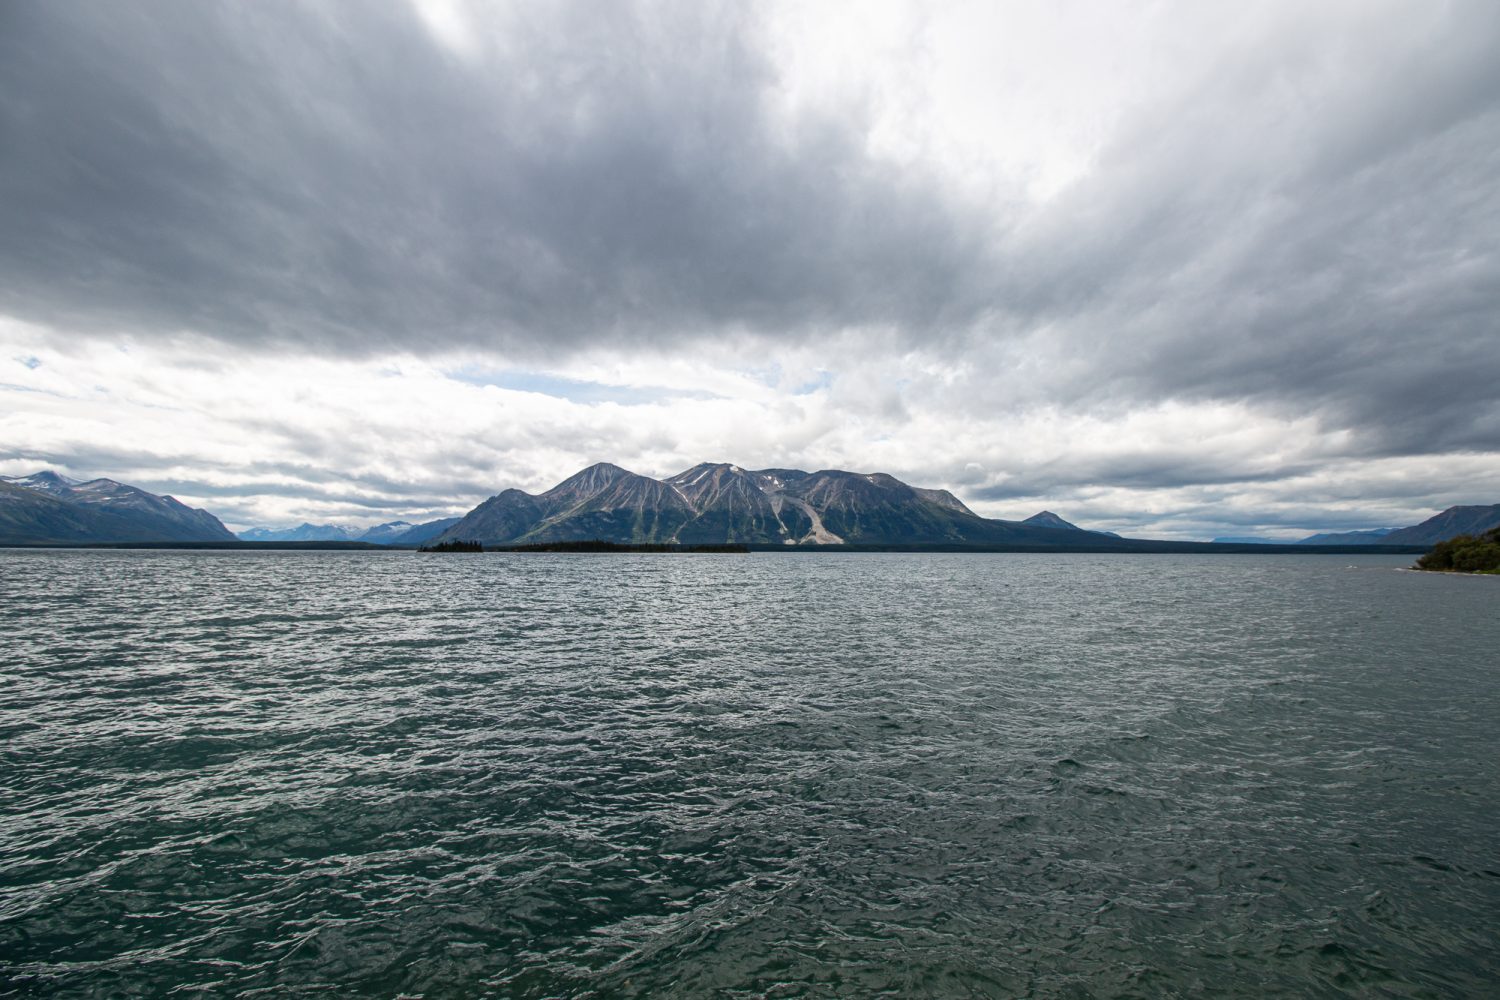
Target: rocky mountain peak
<point x="709" y="483"/>
<point x="587" y="482"/>
<point x="46" y="481"/>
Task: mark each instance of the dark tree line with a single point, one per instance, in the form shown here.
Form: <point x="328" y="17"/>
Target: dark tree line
<point x="592" y="545"/>
<point x="600" y="545"/>
<point x="1465" y="554"/>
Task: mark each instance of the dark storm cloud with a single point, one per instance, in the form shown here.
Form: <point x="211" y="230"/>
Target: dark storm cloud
<point x="336" y="180"/>
<point x="1314" y="227"/>
<point x="1136" y="472"/>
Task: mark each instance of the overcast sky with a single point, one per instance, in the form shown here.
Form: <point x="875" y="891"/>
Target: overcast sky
<point x="1178" y="270"/>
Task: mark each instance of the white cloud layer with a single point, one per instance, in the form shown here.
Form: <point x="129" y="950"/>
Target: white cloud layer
<point x="262" y="440"/>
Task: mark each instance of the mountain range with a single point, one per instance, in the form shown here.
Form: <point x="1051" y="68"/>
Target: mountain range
<point x="46" y="507"/>
<point x="1471" y="520"/>
<point x="710" y="503"/>
<point x="716" y="503"/>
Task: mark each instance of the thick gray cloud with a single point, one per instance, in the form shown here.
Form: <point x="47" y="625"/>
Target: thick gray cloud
<point x="335" y="179"/>
<point x="1304" y="222"/>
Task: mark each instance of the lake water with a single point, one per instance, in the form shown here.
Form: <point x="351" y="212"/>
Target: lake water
<point x="392" y="774"/>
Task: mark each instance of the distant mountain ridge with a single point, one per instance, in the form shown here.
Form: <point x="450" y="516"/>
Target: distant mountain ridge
<point x="1375" y="536"/>
<point x="1455" y="521"/>
<point x="46" y="507"/>
<point x="390" y="533"/>
<point x="715" y="502"/>
<point x="385" y="534"/>
<point x="423" y="533"/>
<point x="304" y="532"/>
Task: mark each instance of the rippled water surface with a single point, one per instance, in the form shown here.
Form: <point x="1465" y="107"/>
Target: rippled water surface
<point x="278" y="773"/>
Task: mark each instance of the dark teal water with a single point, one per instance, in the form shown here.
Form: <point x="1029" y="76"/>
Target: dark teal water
<point x="273" y="774"/>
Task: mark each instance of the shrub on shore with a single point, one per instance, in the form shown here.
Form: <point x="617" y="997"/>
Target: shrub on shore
<point x="1465" y="554"/>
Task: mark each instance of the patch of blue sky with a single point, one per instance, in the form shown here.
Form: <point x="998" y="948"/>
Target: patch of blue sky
<point x="573" y="390"/>
<point x="767" y="375"/>
<point x="774" y="377"/>
<point x="822" y="380"/>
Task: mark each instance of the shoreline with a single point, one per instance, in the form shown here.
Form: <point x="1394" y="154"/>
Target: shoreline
<point x="1133" y="548"/>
